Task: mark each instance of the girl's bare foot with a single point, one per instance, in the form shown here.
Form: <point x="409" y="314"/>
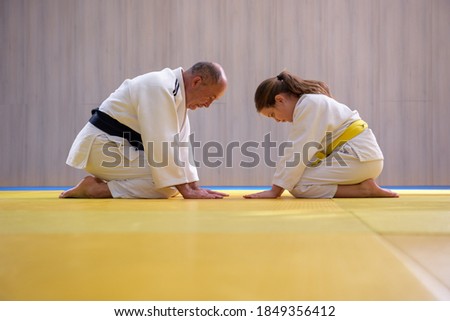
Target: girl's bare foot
<point x="373" y="190"/>
<point x="88" y="187"/>
<point x="367" y="188"/>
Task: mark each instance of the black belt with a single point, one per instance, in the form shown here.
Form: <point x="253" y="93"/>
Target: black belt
<point x="113" y="127"/>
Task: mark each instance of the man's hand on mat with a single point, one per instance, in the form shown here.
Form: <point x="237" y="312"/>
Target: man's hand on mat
<point x="203" y="193"/>
<point x="194" y="191"/>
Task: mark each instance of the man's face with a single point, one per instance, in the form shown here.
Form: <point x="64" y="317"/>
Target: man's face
<point x="199" y="95"/>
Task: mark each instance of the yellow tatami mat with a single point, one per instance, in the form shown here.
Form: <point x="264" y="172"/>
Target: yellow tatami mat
<point x="230" y="249"/>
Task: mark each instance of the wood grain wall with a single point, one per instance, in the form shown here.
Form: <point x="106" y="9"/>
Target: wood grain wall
<point x="389" y="59"/>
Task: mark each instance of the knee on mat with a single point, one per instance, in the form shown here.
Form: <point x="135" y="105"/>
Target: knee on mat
<point x="313" y="191"/>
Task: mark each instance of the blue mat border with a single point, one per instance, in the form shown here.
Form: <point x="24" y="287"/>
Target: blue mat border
<point x="229" y="188"/>
<point x="411" y="187"/>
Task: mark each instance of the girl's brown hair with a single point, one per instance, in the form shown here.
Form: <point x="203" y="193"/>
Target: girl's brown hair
<point x="285" y="82"/>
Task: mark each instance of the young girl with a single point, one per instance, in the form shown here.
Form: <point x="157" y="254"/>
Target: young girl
<point x="333" y="153"/>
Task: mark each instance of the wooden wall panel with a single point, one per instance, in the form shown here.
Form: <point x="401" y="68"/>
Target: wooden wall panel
<point x="404" y="93"/>
<point x="439" y="111"/>
<point x="388" y="59"/>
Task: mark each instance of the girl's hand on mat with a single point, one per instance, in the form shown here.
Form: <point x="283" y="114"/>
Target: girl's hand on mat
<point x="275" y="192"/>
<point x="265" y="194"/>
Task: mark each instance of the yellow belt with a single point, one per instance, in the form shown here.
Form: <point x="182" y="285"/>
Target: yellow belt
<point x="353" y="130"/>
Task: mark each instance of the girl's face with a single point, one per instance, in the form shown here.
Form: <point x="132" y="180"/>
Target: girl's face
<point x="283" y="110"/>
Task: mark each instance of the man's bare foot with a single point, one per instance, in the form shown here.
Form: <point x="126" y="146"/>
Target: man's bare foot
<point x="88" y="187"/>
<point x="367" y="188"/>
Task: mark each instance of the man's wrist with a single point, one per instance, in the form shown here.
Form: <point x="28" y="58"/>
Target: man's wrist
<point x="187" y="188"/>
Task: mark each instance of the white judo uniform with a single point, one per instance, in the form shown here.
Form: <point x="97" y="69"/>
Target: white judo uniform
<point x="357" y="160"/>
<point x="153" y="105"/>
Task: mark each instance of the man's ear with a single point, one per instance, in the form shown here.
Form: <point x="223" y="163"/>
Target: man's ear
<point x="196" y="81"/>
